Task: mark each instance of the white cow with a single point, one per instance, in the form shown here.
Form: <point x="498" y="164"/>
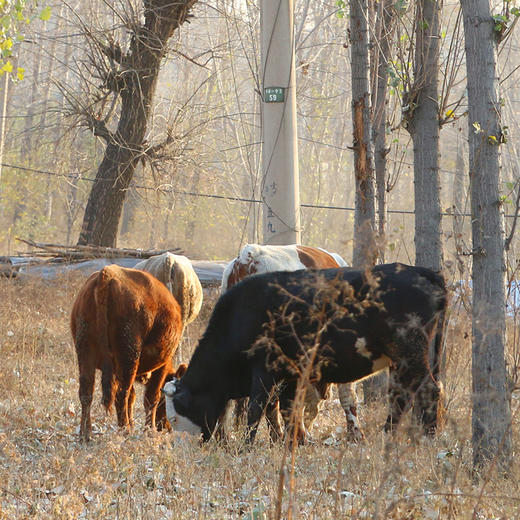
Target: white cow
<point x="258" y="259"/>
<point x="177" y="273"/>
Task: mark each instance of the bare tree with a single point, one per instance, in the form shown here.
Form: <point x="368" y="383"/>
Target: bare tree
<point x="131" y="77"/>
<point x="491" y="418"/>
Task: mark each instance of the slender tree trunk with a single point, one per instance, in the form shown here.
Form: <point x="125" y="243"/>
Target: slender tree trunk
<point x="29" y="132"/>
<point x="136" y="85"/>
<point x="129" y="208"/>
<point x="423" y="125"/>
<point x="459" y="206"/>
<point x="364" y="253"/>
<point x="365" y="249"/>
<point x="44" y="112"/>
<point x="382" y="49"/>
<point x="491" y="420"/>
<point x="5" y="96"/>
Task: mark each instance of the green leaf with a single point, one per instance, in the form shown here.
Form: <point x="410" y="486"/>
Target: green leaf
<point x="499" y="18"/>
<point x="45" y="13"/>
<point x="5" y="21"/>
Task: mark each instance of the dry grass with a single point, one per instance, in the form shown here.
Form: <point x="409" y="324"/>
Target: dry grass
<point x="46" y="473"/>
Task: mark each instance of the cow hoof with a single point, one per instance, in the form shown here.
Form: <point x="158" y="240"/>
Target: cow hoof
<point x="355" y="436"/>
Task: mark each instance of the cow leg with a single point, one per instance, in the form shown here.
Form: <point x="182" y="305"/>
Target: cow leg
<point x="222" y="430"/>
<point x="108" y="384"/>
<point x="272" y="416"/>
<point x="348" y="399"/>
<point x="312" y="402"/>
<point x="287" y="397"/>
<point x="86" y="390"/>
<point x="240" y="412"/>
<point x="161" y="422"/>
<point x="125" y="379"/>
<point x="428" y="406"/>
<point x="152" y="395"/>
<point x="400" y="395"/>
<point x="122" y="394"/>
<point x="131" y="401"/>
<point x="258" y="399"/>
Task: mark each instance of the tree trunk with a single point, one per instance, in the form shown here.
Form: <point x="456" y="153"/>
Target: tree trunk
<point x="129" y="209"/>
<point x="423" y="125"/>
<point x="365" y="250"/>
<point x="459" y="206"/>
<point x="491" y="419"/>
<point x="4" y="98"/>
<point x="45" y="111"/>
<point x="27" y="148"/>
<point x="382" y="46"/>
<point x="364" y="253"/>
<point x="135" y="83"/>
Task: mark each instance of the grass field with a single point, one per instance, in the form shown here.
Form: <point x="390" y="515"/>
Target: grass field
<point x="46" y="473"/>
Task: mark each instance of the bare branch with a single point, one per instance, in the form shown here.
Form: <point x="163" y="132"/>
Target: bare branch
<point x="507" y="243"/>
<point x="99" y="127"/>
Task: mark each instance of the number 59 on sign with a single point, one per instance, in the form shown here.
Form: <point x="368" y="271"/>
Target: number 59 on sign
<point x="273" y="94"/>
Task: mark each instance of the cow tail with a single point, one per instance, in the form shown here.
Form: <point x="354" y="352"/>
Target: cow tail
<point x="101" y="296"/>
<point x="168" y="271"/>
<point x="438" y="344"/>
<point x="181" y="291"/>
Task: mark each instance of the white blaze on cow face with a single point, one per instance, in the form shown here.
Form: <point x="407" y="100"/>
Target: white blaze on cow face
<point x="178" y="422"/>
<point x="361" y="348"/>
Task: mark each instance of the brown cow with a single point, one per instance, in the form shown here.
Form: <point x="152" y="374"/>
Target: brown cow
<point x="127" y="324"/>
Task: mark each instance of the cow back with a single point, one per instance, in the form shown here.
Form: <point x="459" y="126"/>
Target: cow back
<point x="177" y="273"/>
<point x="259" y="259"/>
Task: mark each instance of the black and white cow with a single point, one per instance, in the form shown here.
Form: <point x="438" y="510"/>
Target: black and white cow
<point x="262" y="332"/>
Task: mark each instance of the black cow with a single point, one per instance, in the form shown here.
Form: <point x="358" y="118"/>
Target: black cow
<point x="262" y="333"/>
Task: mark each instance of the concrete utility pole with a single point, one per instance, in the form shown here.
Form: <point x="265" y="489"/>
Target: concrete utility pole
<point x="280" y="185"/>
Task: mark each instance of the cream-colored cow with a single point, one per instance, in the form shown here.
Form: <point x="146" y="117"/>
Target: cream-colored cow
<point x="177" y="273"/>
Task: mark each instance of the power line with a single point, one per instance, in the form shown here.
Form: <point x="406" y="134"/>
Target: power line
<point x="167" y="188"/>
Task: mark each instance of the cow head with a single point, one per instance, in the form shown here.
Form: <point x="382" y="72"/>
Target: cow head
<point x="178" y="401"/>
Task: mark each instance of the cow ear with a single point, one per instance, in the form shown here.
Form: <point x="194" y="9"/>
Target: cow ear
<point x="169" y="388"/>
<point x="181" y="370"/>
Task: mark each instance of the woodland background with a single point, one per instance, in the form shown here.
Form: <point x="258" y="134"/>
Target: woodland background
<point x="201" y="195"/>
